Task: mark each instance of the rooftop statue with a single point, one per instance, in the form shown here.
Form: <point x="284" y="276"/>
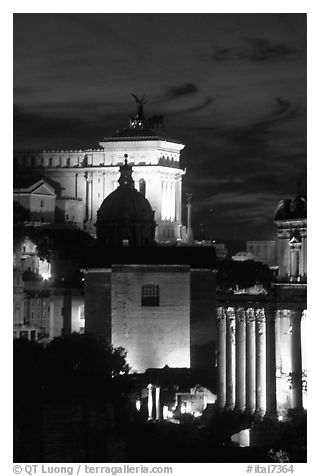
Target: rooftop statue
<point x="140" y="103"/>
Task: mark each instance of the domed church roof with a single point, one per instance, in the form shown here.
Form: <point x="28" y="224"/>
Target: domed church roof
<point x="125" y="217"/>
<point x="295" y="209"/>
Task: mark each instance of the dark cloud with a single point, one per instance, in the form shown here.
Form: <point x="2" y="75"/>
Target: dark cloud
<point x="222" y="54"/>
<point x="239" y="107"/>
<point x="262" y="50"/>
<point x="198" y="107"/>
<point x="256" y="49"/>
<point x="43" y="131"/>
<point x="183" y="90"/>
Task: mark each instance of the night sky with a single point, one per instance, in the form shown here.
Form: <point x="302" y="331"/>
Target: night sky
<point x="231" y="87"/>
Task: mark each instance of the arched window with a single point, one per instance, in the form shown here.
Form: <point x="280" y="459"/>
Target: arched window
<point x="142" y="187"/>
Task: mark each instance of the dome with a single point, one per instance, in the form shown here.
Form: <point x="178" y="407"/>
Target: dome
<point x="125" y="206"/>
<point x="125" y="217"/>
<point x="295" y="209"/>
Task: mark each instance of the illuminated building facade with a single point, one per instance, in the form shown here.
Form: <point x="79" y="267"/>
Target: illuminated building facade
<point x="291" y="219"/>
<point x="262" y="362"/>
<point x="82" y="179"/>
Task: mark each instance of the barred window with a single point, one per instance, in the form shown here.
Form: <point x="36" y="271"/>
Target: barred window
<point x="150" y="295"/>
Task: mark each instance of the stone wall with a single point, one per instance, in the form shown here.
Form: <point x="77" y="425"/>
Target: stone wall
<point x="154" y="336"/>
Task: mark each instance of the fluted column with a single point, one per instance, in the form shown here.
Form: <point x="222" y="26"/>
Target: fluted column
<point x="271" y="393"/>
<point x="260" y="362"/>
<point x="250" y="362"/>
<point x="157" y="403"/>
<point x="295" y="321"/>
<point x="173" y="200"/>
<point x="169" y="199"/>
<point x="162" y="199"/>
<point x="221" y="357"/>
<point x="165" y="200"/>
<point x="178" y="199"/>
<point x="150" y="402"/>
<point x="240" y="360"/>
<point x="230" y="360"/>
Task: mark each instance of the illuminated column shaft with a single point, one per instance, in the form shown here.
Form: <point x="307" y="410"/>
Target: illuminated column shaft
<point x="240" y="360"/>
<point x="173" y="200"/>
<point x="157" y="403"/>
<point x="231" y="360"/>
<point x="189" y="215"/>
<point x="162" y="200"/>
<point x="166" y="201"/>
<point x="178" y="199"/>
<point x="295" y="320"/>
<point x="221" y="314"/>
<point x="250" y="362"/>
<point x="260" y="362"/>
<point x="104" y="186"/>
<point x="271" y="392"/>
<point x="150" y="402"/>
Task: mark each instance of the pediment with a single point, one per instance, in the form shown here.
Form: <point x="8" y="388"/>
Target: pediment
<point x="42" y="188"/>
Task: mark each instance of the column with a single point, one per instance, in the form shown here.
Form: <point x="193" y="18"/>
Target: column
<point x="157" y="403"/>
<point x="178" y="198"/>
<point x="88" y="176"/>
<point x="162" y="199"/>
<point x="167" y="199"/>
<point x="295" y="321"/>
<point x="240" y="359"/>
<point x="260" y="362"/>
<point x="164" y="194"/>
<point x="271" y="392"/>
<point x="230" y="360"/>
<point x="172" y="200"/>
<point x="150" y="402"/>
<point x="221" y="357"/>
<point x="250" y="362"/>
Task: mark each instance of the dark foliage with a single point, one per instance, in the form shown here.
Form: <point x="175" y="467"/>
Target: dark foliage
<point x="27" y="370"/>
<point x="48" y="238"/>
<point x="244" y="274"/>
<point x="77" y="365"/>
<point x="83" y="365"/>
